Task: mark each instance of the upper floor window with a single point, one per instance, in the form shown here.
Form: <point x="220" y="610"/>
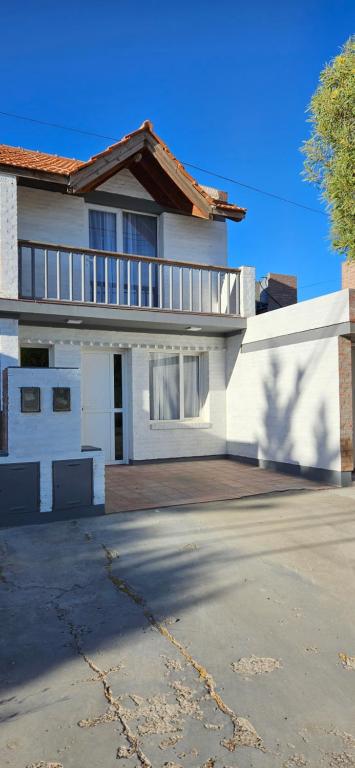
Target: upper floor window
<point x="139" y="234"/>
<point x="102" y="231"/>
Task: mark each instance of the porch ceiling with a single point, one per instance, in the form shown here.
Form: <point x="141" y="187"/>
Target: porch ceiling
<point x="49" y="313"/>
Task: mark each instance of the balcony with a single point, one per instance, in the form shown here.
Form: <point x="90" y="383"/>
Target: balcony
<point x="58" y="273"/>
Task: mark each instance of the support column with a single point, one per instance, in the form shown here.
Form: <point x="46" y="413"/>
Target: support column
<point x="8" y="237"/>
<point x="247" y="291"/>
<point x="9" y="347"/>
<point x="346" y="409"/>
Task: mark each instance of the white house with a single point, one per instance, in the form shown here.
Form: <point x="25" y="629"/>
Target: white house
<point x="117" y="268"/>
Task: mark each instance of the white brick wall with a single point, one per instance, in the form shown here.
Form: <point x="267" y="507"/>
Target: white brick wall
<point x="124" y="183"/>
<point x="66" y="356"/>
<point x="52" y="217"/>
<point x="191" y="239"/>
<point x="63" y="219"/>
<point x="145" y="442"/>
<point x="9" y="346"/>
<point x="48" y="436"/>
<point x="183" y="440"/>
<point x="247" y="291"/>
<point x="8" y="237"/>
<point x="48" y="431"/>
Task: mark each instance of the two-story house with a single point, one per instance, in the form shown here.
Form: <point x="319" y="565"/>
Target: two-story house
<point x="122" y="271"/>
<point x="117" y="268"/>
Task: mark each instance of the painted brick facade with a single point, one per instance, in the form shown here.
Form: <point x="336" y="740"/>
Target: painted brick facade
<point x="47" y="436"/>
<point x="8" y="237"/>
<point x="346" y="404"/>
<point x="68" y="345"/>
<point x="348" y="274"/>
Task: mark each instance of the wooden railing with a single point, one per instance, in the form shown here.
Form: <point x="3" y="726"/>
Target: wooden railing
<point x="83" y="275"/>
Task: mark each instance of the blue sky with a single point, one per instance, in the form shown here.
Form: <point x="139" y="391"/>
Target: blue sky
<point x="226" y="86"/>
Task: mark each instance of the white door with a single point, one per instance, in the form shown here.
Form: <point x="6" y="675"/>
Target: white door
<point x="102" y="404"/>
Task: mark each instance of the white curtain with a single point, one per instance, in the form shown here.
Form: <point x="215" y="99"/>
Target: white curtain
<point x="164" y="387"/>
<point x="191" y="386"/>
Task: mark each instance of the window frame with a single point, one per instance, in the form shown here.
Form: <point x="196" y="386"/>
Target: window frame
<point x="181" y="418"/>
<point x="119" y="225"/>
<point x="29" y="346"/>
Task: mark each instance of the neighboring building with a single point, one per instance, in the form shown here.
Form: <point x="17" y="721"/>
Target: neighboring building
<point x="117" y="267"/>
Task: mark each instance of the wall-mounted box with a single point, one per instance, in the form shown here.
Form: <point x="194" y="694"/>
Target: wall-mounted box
<point x="19" y="488"/>
<point x="72" y="483"/>
<point x="61" y="399"/>
<point x="30" y="400"/>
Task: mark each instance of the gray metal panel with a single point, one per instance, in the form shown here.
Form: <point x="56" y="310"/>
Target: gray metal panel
<point x="72" y="483"/>
<point x="19" y="488"/>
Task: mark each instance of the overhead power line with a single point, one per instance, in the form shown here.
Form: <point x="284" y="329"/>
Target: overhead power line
<point x="257" y="189"/>
<point x="190" y="165"/>
<point x="57" y="125"/>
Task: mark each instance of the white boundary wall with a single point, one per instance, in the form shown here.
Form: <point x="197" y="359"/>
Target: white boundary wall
<point x="283" y="401"/>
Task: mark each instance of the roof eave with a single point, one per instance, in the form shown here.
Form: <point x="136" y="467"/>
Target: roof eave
<point x="32" y="173"/>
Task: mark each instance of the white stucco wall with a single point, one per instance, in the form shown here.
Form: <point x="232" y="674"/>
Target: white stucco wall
<point x="321" y="312"/>
<point x="283" y="402"/>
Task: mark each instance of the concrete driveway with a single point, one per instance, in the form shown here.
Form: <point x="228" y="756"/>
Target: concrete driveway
<point x="220" y="634"/>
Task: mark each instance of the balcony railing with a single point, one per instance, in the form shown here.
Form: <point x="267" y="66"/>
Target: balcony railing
<point x="83" y="275"/>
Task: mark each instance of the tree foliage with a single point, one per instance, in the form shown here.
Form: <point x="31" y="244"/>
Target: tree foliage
<point x="330" y="151"/>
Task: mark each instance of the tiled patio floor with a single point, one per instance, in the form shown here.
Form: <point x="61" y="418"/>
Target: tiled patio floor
<point x="147" y="486"/>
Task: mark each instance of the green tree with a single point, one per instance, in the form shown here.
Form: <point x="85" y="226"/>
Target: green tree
<point x="330" y="151"/>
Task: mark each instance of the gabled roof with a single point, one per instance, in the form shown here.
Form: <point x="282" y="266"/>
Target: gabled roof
<point x="146" y="156"/>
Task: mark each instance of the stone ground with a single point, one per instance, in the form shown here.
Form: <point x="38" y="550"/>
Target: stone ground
<point x="146" y="486"/>
<point x="219" y="634"/>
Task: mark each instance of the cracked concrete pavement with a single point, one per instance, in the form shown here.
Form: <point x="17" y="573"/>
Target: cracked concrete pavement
<point x="219" y="634"/>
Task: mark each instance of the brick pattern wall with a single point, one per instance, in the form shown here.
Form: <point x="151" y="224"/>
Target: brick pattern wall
<point x="346" y="404"/>
<point x="352" y="305"/>
<point x="47" y="436"/>
<point x="68" y="346"/>
<point x="8" y="237"/>
<point x="348" y="274"/>
<point x="281" y="290"/>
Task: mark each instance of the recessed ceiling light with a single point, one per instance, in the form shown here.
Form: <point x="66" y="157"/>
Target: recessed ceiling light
<point x="193" y="328"/>
<point x="73" y="321"/>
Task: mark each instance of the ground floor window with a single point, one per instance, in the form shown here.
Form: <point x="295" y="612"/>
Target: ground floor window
<point x="174" y="387"/>
<point x="34" y="357"/>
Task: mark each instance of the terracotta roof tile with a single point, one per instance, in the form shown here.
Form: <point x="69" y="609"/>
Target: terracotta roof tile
<point x="40" y="161"/>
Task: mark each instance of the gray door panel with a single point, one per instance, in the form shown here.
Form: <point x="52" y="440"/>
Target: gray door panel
<point x="19" y="487"/>
<point x="72" y="483"/>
